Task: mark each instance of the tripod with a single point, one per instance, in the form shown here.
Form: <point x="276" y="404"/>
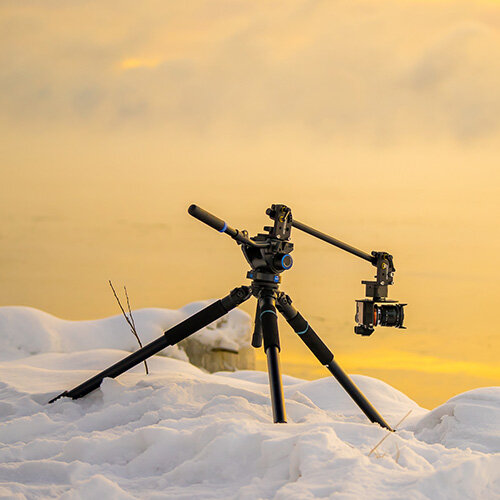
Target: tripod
<point x="268" y="255"/>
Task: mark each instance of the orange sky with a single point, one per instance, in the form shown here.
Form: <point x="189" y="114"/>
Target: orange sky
<point x="377" y="122"/>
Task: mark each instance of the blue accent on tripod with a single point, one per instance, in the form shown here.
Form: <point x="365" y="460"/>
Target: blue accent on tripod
<point x="303" y="331"/>
<point x="267" y="311"/>
<point x="283" y="264"/>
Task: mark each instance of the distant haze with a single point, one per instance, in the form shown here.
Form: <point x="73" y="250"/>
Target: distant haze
<point x="377" y="122"/>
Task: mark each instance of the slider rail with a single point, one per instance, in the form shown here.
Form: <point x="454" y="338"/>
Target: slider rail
<point x="334" y="241"/>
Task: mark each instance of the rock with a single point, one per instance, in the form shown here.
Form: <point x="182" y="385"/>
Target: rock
<point x="216" y="359"/>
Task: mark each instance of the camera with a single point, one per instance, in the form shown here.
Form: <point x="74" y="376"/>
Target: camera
<point x="377" y="310"/>
<point x="370" y="314"/>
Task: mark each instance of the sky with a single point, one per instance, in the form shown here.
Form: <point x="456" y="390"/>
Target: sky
<point x="376" y="122"/>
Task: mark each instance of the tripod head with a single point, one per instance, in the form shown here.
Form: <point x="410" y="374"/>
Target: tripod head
<point x="268" y="254"/>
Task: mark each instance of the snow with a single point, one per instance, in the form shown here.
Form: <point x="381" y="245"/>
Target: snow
<point x="183" y="433"/>
<point x="27" y="331"/>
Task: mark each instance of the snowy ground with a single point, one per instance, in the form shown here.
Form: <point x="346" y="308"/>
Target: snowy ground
<point x="182" y="433"/>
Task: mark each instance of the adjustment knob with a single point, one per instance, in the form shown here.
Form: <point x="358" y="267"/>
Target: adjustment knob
<point x="283" y="261"/>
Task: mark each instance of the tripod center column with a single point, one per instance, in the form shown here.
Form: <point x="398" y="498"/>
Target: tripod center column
<point x="270" y="333"/>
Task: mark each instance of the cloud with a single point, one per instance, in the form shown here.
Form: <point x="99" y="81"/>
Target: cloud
<point x="457" y="76"/>
<point x="356" y="70"/>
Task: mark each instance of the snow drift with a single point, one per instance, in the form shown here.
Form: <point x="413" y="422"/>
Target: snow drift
<point x="182" y="433"/>
<point x="26" y="331"/>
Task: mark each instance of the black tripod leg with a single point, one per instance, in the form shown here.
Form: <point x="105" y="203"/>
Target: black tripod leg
<point x="170" y="337"/>
<point x="325" y="357"/>
<point x="269" y="325"/>
<point x="257" y="332"/>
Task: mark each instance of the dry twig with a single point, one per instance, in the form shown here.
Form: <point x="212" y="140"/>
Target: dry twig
<point x="130" y="320"/>
<point x="388" y="434"/>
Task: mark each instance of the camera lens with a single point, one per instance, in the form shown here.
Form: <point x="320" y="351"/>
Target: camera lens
<point x="389" y="315"/>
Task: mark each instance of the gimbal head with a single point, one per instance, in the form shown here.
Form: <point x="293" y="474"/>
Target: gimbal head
<point x="269" y="255"/>
<point x="378" y="309"/>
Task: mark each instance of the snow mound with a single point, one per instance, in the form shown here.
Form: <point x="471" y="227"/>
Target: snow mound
<point x="469" y="420"/>
<point x="25" y="331"/>
<point x="186" y="434"/>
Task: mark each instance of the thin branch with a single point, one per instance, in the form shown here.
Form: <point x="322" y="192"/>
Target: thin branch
<point x="132" y="326"/>
<point x="130" y="320"/>
<point x="130" y="311"/>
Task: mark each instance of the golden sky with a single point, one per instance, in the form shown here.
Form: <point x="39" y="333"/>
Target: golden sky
<point x="377" y="122"/>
